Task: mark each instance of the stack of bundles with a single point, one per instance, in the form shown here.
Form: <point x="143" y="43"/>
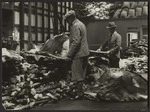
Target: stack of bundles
<point x="107" y="10"/>
<point x="80" y="10"/>
<point x="133" y="5"/>
<point x="124" y="13"/>
<point x="33" y="78"/>
<point x="145" y="11"/>
<point x="115" y="10"/>
<point x="114" y="84"/>
<point x="98" y="10"/>
<point x="117" y="13"/>
<point x="135" y="64"/>
<point x="135" y="49"/>
<point x="27" y="85"/>
<point x="132" y="10"/>
<point x="138" y="12"/>
<point x="131" y="13"/>
<point x="134" y="58"/>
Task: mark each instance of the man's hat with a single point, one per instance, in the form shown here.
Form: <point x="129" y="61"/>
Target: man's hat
<point x="69" y="13"/>
<point x="111" y="25"/>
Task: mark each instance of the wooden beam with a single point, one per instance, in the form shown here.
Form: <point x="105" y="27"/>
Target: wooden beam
<point x="43" y="22"/>
<point x="49" y="19"/>
<point x="13" y="15"/>
<point x="55" y="18"/>
<point x="21" y="25"/>
<point x="62" y="27"/>
<point x="65" y="13"/>
<point x="29" y="24"/>
<point x="36" y="23"/>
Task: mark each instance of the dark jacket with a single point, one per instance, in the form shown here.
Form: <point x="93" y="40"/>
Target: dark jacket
<point x="113" y="44"/>
<point x="78" y="40"/>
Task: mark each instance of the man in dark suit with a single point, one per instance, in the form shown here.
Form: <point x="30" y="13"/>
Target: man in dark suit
<point x="78" y="50"/>
<point x="112" y="45"/>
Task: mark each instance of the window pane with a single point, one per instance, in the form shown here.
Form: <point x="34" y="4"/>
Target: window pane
<point x="51" y="35"/>
<point x="63" y="3"/>
<point x="32" y="3"/>
<point x="33" y="37"/>
<point x="67" y="4"/>
<point x="45" y="5"/>
<point x="26" y="3"/>
<point x="39" y="11"/>
<point x="39" y="4"/>
<point x="67" y="10"/>
<point x="58" y="26"/>
<point x="51" y="13"/>
<point x="25" y="19"/>
<point x="39" y="21"/>
<point x="45" y="36"/>
<point x="26" y="37"/>
<point x="32" y="20"/>
<point x="63" y="10"/>
<point x="71" y="5"/>
<point x="45" y="12"/>
<point x="39" y="37"/>
<point x="59" y="9"/>
<point x="51" y="22"/>
<point x="25" y="46"/>
<point x="16" y="3"/>
<point x="17" y="16"/>
<point x="58" y="3"/>
<point x="46" y="22"/>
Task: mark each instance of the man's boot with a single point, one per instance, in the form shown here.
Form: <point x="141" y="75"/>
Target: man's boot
<point x="79" y="91"/>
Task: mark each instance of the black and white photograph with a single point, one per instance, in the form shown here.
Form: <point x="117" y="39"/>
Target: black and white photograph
<point x="74" y="55"/>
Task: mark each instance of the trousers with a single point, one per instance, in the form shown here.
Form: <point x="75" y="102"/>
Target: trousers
<point x="79" y="68"/>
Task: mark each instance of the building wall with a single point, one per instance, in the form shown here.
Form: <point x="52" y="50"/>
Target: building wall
<point x="97" y="31"/>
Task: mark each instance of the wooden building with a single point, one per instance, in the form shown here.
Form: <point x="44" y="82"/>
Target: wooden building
<point x="35" y="21"/>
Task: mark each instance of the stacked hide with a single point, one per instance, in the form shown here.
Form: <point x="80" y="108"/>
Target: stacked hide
<point x="135" y="57"/>
<point x="34" y="77"/>
<point x="38" y="76"/>
<point x="107" y="10"/>
<point x="114" y="84"/>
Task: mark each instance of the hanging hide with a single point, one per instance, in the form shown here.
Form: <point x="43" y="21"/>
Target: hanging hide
<point x="55" y="45"/>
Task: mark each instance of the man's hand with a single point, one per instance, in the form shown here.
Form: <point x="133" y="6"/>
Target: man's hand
<point x="107" y="52"/>
<point x="65" y="58"/>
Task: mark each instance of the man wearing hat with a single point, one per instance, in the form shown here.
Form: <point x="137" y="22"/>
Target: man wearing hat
<point x="78" y="50"/>
<point x="112" y="45"/>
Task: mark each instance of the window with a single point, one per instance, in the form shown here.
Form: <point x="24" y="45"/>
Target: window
<point x="145" y="33"/>
<point x="131" y="36"/>
<point x="42" y="19"/>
